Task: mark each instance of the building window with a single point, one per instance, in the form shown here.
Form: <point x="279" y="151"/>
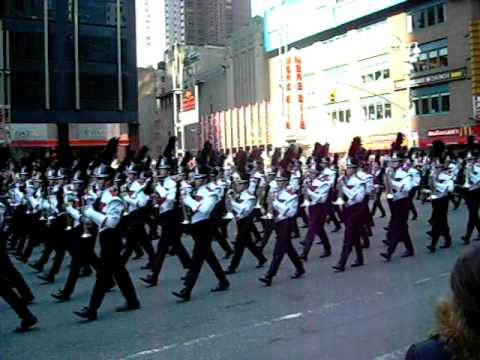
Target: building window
<point x="341" y="114"/>
<point x="432" y="57"/>
<point x="426" y="17"/>
<point x="376" y="109"/>
<point x="432" y="104"/>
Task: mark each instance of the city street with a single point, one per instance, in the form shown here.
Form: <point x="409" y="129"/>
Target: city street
<point x="374" y="312"/>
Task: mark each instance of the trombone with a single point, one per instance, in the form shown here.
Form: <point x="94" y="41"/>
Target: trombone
<point x="86" y="233"/>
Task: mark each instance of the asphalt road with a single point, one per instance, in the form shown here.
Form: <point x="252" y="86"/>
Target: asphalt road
<point x="374" y="312"/>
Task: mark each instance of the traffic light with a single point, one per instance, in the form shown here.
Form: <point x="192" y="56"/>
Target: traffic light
<point x="475" y="55"/>
<point x="333" y="96"/>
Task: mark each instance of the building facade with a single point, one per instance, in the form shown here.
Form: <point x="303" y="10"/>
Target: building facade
<point x="204" y="22"/>
<point x="67" y="63"/>
<point x="371" y="69"/>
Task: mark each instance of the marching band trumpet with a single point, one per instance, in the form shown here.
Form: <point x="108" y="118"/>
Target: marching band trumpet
<point x="86" y="233"/>
<point x="228" y="204"/>
<point x="387" y="180"/>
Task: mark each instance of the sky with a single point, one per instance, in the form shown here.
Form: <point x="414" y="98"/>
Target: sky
<point x="151" y="29"/>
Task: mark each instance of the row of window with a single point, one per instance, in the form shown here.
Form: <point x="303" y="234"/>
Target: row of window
<point x="426" y="17"/>
<point x="377" y="111"/>
<point x="431" y="60"/>
<point x="376" y="76"/>
<point x="432" y="104"/>
<point x="342" y="116"/>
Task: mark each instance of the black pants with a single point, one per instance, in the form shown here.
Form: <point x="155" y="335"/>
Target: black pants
<point x="111" y="265"/>
<point x="268" y="226"/>
<point x="244" y="240"/>
<point x="334" y="214"/>
<point x="398" y="228"/>
<point x="316" y="222"/>
<point x="170" y="238"/>
<point x="82" y="251"/>
<point x="377" y="204"/>
<point x="136" y="236"/>
<point x="219" y="232"/>
<point x="202" y="251"/>
<point x="354" y="222"/>
<point x="472" y="199"/>
<point x="440" y="221"/>
<point x="54" y="242"/>
<point x="37" y="233"/>
<point x="412" y="196"/>
<point x="284" y="246"/>
<point x="10" y="278"/>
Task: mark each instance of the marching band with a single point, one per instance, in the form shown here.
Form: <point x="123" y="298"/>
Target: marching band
<point x="100" y="211"/>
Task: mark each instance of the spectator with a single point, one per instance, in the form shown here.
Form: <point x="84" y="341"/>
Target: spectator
<point x="459" y="318"/>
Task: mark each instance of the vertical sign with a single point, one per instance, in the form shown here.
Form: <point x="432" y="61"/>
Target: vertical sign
<point x="288" y="93"/>
<point x="476" y="107"/>
<point x="234" y="123"/>
<point x="228" y="129"/>
<point x="248" y="125"/>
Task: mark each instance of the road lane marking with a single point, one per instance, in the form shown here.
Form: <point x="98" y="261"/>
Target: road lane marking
<point x="422" y="281"/>
<point x="394" y="355"/>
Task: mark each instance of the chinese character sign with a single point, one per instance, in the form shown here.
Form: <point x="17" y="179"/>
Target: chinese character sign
<point x="294" y="94"/>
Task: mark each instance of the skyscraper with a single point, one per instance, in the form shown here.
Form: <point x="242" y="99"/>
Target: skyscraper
<point x="204" y="22"/>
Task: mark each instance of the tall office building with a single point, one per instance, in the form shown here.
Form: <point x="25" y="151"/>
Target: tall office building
<point x="150" y="32"/>
<point x="68" y="62"/>
<point x="204" y="22"/>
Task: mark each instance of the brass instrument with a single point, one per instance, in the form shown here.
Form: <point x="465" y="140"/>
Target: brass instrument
<point x="468" y="171"/>
<point x="228" y="204"/>
<point x="306" y="202"/>
<point x="70" y="198"/>
<point x="339" y="201"/>
<point x="270" y="199"/>
<point x="86" y="233"/>
<point x="185" y="213"/>
<point x="387" y="181"/>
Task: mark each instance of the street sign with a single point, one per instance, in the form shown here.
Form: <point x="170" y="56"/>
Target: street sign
<point x="476" y="107"/>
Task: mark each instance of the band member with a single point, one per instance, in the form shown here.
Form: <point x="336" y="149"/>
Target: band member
<point x="167" y="198"/>
<point x="353" y="189"/>
<point x="378" y="172"/>
<point x="81" y="237"/>
<point x="110" y="263"/>
<point x="416" y="180"/>
<point x="317" y="189"/>
<point x="201" y="204"/>
<point x="399" y="184"/>
<point x="472" y="195"/>
<point x="442" y="185"/>
<point x="285" y="205"/>
<point x="9" y="279"/>
<point x="242" y="203"/>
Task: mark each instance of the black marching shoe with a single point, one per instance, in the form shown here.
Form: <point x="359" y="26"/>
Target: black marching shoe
<point x="26" y="324"/>
<point x="28" y="299"/>
<point x="298" y="274"/>
<point x="338" y="268"/>
<point x="466" y="240"/>
<point x="61" y="296"/>
<point x="261" y="263"/>
<point x="128" y="307"/>
<point x="222" y="286"/>
<point x="266" y="280"/>
<point x="183" y="295"/>
<point x="386" y="256"/>
<point x="85" y="313"/>
<point x="47" y="278"/>
<point x="149" y="280"/>
<point x="431" y="249"/>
